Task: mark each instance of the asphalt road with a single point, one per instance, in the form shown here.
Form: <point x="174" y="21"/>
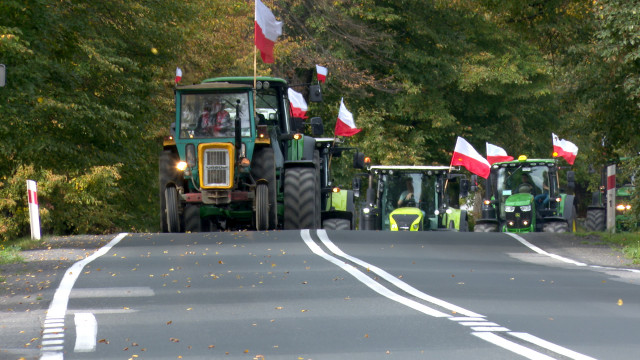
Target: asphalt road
<point x="339" y="295"/>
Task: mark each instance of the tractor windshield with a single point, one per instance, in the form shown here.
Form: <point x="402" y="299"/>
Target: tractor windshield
<point x="524" y="179"/>
<point x="408" y="190"/>
<point x="270" y="110"/>
<point x="212" y="115"/>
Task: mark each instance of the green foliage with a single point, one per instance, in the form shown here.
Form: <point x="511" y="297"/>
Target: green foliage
<point x="68" y="204"/>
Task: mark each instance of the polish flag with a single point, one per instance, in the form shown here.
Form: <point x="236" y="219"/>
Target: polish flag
<point x="178" y="75"/>
<point x="298" y="105"/>
<point x="497" y="154"/>
<point x="267" y="30"/>
<point x="565" y="149"/>
<point x="345" y="126"/>
<point x="464" y="154"/>
<point x="322" y="73"/>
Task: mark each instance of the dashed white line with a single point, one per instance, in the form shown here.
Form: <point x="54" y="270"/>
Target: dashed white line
<point x="86" y="332"/>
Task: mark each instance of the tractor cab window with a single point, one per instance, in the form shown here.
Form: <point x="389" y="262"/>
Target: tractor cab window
<point x="533" y="180"/>
<point x="213" y="115"/>
<point x="269" y="110"/>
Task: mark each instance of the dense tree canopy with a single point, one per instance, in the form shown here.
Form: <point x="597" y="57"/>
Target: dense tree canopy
<point x="89" y="85"/>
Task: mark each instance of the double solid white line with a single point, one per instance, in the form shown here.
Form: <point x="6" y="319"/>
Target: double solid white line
<point x="481" y="328"/>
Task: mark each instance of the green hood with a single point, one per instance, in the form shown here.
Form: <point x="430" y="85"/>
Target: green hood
<point x="519" y="200"/>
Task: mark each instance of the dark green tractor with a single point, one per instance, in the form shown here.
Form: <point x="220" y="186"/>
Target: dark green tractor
<point x="524" y="195"/>
<point x="236" y="160"/>
<point x="597" y="211"/>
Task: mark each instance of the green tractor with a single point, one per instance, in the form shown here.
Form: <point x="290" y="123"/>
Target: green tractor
<point x="524" y="195"/>
<point x="338" y="205"/>
<point x="414" y="198"/>
<point x="597" y="211"/>
<point x="236" y="159"/>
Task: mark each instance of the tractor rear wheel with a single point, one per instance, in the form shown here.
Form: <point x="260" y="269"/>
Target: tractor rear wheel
<point x="263" y="166"/>
<point x="300" y="203"/>
<point x="262" y="207"/>
<point x="172" y="213"/>
<point x="596" y="219"/>
<point x="556" y="227"/>
<point x="336" y="224"/>
<point x="485" y="227"/>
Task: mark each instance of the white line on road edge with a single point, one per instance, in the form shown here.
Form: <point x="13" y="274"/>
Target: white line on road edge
<point x="58" y="306"/>
<point x="562" y="258"/>
<point x="484" y="332"/>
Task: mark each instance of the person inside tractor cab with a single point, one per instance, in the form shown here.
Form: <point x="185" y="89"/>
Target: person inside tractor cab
<point x="407" y="198"/>
<point x="526" y="186"/>
<point x="543" y="198"/>
<point x="214" y="121"/>
<point x="205" y="121"/>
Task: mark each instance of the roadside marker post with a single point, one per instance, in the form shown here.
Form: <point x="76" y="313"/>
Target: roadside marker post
<point x="34" y="215"/>
<point x="611" y="198"/>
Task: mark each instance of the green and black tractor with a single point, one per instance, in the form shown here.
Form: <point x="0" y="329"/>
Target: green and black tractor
<point x="597" y="211"/>
<point x="524" y="195"/>
<point x="414" y="198"/>
<point x="236" y="159"/>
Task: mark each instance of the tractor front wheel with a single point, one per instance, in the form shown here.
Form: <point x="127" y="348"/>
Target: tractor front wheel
<point x="336" y="224"/>
<point x="262" y="207"/>
<point x="485" y="227"/>
<point x="171" y="212"/>
<point x="556" y="227"/>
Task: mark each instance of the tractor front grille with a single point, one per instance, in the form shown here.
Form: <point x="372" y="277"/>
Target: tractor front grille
<point x="216" y="165"/>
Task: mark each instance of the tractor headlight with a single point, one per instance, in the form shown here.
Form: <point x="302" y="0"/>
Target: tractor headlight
<point x="394" y="226"/>
<point x="415" y="226"/>
<point x="623" y="207"/>
<point x="525" y="208"/>
<point x="181" y="165"/>
<point x="448" y="211"/>
<point x="509" y="208"/>
<point x="366" y="210"/>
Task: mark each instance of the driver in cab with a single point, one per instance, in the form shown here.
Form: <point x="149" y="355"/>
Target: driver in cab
<point x="407" y="196"/>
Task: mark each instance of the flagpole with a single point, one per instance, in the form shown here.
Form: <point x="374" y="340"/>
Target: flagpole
<point x="255" y="78"/>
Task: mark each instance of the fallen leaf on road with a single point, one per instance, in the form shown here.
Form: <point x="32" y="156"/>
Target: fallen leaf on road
<point x="620" y="302"/>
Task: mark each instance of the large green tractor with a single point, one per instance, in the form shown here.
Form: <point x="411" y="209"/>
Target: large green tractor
<point x="236" y="160"/>
<point x="597" y="211"/>
<point x="414" y="198"/>
<point x="524" y="195"/>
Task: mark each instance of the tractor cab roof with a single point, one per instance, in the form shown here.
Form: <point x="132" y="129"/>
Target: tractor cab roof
<point x="527" y="162"/>
<point x="410" y="168"/>
<point x="212" y="86"/>
<point x="247" y="80"/>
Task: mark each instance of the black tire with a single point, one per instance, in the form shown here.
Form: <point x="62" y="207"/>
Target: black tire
<point x="192" y="220"/>
<point x="336" y="224"/>
<point x="263" y="166"/>
<point x="262" y="207"/>
<point x="172" y="214"/>
<point x="556" y="227"/>
<point x="300" y="203"/>
<point x="316" y="161"/>
<point x="485" y="227"/>
<point x="596" y="219"/>
<point x="167" y="174"/>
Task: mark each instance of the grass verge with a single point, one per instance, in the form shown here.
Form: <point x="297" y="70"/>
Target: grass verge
<point x="628" y="242"/>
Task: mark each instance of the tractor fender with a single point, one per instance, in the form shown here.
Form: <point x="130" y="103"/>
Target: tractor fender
<point x="299" y="163"/>
<point x="568" y="204"/>
<point x="309" y="148"/>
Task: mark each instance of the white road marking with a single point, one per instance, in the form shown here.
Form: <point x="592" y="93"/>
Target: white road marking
<point x="511" y="346"/>
<point x="134" y="291"/>
<point x="58" y="307"/>
<point x="484" y="329"/>
<point x="368" y="281"/>
<point x="86" y="332"/>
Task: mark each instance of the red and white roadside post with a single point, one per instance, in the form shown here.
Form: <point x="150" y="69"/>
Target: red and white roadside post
<point x="611" y="198"/>
<point x="34" y="215"/>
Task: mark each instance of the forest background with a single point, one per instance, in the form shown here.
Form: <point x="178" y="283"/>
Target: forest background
<point x="89" y="87"/>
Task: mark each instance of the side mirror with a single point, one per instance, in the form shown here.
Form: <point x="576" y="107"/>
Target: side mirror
<point x="358" y="160"/>
<point x="571" y="180"/>
<point x="316" y="126"/>
<point x="297" y="124"/>
<point x="315" y="93"/>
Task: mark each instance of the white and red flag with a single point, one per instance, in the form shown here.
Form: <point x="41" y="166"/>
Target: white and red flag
<point x="298" y="105"/>
<point x="464" y="154"/>
<point x="497" y="154"/>
<point x="267" y="30"/>
<point x="178" y="75"/>
<point x="345" y="126"/>
<point x="564" y="148"/>
<point x="322" y="73"/>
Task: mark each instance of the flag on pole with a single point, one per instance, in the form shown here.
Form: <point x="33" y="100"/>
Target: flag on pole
<point x="564" y="148"/>
<point x="178" y="75"/>
<point x="464" y="154"/>
<point x="497" y="154"/>
<point x="298" y="105"/>
<point x="345" y="126"/>
<point x="267" y="30"/>
<point x="322" y="73"/>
